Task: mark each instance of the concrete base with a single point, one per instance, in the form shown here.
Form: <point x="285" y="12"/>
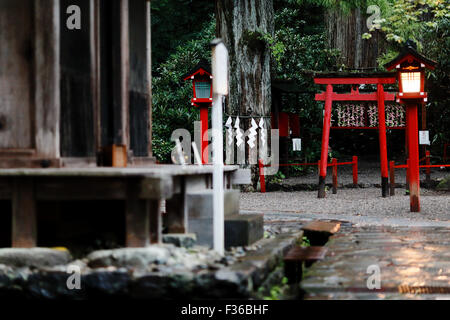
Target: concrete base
<point x="243" y="230"/>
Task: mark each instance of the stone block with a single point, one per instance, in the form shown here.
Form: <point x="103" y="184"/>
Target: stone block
<point x="243" y="230"/>
<point x="200" y="203"/>
<point x="34" y="257"/>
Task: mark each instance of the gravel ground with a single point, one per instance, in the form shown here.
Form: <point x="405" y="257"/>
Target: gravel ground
<point x="362" y="206"/>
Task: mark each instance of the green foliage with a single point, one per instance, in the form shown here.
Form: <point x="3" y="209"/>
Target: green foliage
<point x="306" y="242"/>
<point x="171" y="95"/>
<point x="175" y="22"/>
<point x="300" y="32"/>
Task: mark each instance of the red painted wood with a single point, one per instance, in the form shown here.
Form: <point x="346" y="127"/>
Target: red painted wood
<point x="338" y="80"/>
<point x="382" y="131"/>
<point x="335" y="172"/>
<point x="283" y="124"/>
<point x="356" y="96"/>
<point x="262" y="180"/>
<point x="325" y="136"/>
<point x="355" y="170"/>
<point x="204" y="131"/>
<point x="413" y="144"/>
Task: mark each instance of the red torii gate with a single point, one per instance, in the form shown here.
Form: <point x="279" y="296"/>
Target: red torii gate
<point x="330" y="79"/>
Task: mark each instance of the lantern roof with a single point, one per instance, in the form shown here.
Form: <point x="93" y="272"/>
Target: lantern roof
<point x="410" y="51"/>
<point x="203" y="68"/>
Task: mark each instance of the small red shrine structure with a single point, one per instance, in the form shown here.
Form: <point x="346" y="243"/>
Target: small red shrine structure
<point x="201" y="77"/>
<point x="379" y="96"/>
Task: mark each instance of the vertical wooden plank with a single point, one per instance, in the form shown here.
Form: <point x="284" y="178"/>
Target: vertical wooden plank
<point x="176" y="211"/>
<point x="149" y="76"/>
<point x="94" y="21"/>
<point x="155" y="221"/>
<point x="137" y="217"/>
<point x="47" y="78"/>
<point x="124" y="70"/>
<point x="24" y="233"/>
<point x="16" y="74"/>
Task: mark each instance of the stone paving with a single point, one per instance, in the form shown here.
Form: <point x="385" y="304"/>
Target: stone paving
<point x="414" y="263"/>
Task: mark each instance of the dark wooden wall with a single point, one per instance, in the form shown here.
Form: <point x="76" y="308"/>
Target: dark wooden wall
<point x="139" y="94"/>
<point x="77" y="111"/>
<point x="16" y="74"/>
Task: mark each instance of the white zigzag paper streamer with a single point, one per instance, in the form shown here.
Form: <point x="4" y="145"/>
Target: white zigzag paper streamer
<point x="253" y="134"/>
<point x="239" y="134"/>
<point x="229" y="126"/>
<point x="262" y="132"/>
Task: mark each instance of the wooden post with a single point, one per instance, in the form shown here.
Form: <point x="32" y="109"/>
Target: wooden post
<point x="325" y="140"/>
<point x="262" y="180"/>
<point x="24" y="233"/>
<point x="355" y="171"/>
<point x="335" y="182"/>
<point x="413" y="145"/>
<point x="392" y="177"/>
<point x="176" y="211"/>
<point x="155" y="220"/>
<point x="204" y="133"/>
<point x="382" y="138"/>
<point x="137" y="217"/>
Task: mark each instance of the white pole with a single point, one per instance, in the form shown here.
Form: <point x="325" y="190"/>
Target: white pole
<point x="196" y="154"/>
<point x="220" y="88"/>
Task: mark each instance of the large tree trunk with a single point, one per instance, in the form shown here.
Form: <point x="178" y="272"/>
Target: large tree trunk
<point x="345" y="32"/>
<point x="240" y="24"/>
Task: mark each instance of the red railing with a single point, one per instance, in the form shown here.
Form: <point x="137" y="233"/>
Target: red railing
<point x="427" y="166"/>
<point x="334" y="163"/>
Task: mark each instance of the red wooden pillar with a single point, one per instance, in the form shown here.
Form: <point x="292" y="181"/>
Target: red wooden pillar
<point x="413" y="146"/>
<point x="325" y="140"/>
<point x="335" y="169"/>
<point x="382" y="138"/>
<point x="355" y="171"/>
<point x="204" y="131"/>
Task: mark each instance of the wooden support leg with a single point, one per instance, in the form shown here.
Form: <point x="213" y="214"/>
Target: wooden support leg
<point x="383" y="143"/>
<point x="24" y="232"/>
<point x="137" y="218"/>
<point x="176" y="211"/>
<point x="325" y="139"/>
<point x="413" y="144"/>
<point x="335" y="182"/>
<point x="155" y="221"/>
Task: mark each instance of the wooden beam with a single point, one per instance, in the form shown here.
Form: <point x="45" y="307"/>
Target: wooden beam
<point x="337" y="80"/>
<point x="355" y="97"/>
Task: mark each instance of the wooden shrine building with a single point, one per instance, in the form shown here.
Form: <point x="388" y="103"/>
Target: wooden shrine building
<point x="75" y="97"/>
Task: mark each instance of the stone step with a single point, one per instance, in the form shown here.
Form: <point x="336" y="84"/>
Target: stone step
<point x="318" y="232"/>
